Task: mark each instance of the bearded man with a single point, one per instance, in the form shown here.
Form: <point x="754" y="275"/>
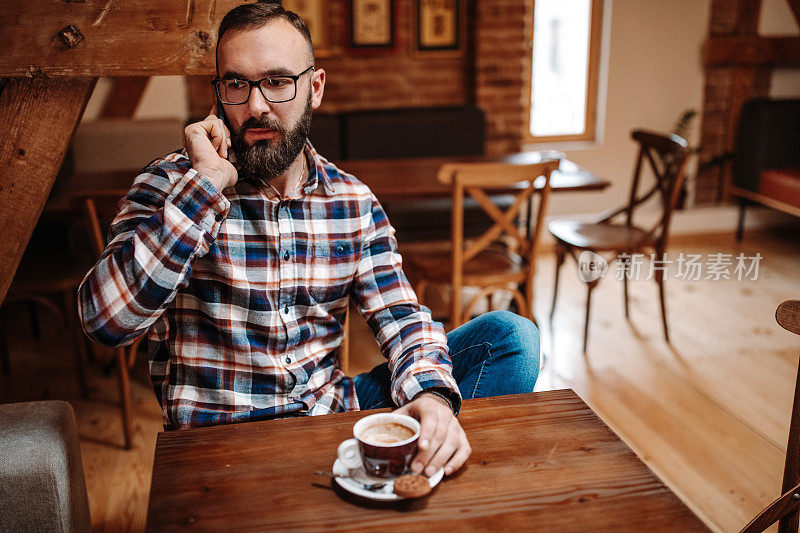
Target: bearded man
<point x="237" y="258"/>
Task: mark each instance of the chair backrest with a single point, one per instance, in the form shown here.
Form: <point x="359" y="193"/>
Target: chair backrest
<point x="518" y="228"/>
<point x="344" y="348"/>
<point x="99" y="209"/>
<point x="786" y="509"/>
<point x="666" y="156"/>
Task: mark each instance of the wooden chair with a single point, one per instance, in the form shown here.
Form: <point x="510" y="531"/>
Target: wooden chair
<point x="785" y="509"/>
<point x="667" y="157"/>
<point x="502" y="259"/>
<point x="50" y="281"/>
<point x="344" y="348"/>
<point x="97" y="206"/>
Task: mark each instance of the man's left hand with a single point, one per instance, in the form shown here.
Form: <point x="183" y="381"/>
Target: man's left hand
<point x="442" y="442"/>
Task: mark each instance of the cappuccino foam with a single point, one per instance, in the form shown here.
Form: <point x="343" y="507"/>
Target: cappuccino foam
<point x="388" y="433"/>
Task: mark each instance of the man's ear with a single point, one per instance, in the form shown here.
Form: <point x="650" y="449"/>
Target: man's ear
<point x="317" y="88"/>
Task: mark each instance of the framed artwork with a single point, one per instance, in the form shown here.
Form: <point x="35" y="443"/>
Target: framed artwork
<point x="372" y="24"/>
<point x="313" y="13"/>
<point x="439" y="25"/>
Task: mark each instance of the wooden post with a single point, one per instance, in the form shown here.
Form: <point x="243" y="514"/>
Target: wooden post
<point x="124" y="97"/>
<point x="795" y="7"/>
<point x="39" y="117"/>
<point x="200" y="95"/>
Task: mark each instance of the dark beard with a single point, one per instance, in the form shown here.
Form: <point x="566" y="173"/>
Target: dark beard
<point x="266" y="159"/>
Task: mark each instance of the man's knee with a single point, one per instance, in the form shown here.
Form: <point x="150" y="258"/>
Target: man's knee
<point x="512" y="361"/>
<point x="513" y="327"/>
<point x="518" y="336"/>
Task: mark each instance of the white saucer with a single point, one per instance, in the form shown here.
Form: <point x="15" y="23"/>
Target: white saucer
<point x="355" y="476"/>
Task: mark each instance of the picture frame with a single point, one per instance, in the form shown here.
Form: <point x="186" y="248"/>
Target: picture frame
<point x="439" y="26"/>
<point x="372" y="24"/>
<point x="314" y="14"/>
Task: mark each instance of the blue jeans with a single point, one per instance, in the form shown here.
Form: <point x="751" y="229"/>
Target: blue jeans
<point x="494" y="354"/>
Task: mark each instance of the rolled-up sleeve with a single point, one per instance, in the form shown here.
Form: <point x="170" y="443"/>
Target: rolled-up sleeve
<point x="414" y="345"/>
<point x="170" y="216"/>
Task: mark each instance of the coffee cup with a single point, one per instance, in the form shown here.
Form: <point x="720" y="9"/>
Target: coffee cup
<point x="384" y="444"/>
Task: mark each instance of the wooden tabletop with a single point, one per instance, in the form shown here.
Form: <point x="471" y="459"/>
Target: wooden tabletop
<point x="541" y="461"/>
<point x="397" y="179"/>
<point x="389" y="179"/>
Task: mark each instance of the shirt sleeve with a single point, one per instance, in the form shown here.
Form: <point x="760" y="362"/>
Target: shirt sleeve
<point x="414" y="345"/>
<point x="169" y="217"/>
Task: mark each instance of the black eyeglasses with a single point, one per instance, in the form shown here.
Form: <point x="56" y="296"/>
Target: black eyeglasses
<point x="274" y="89"/>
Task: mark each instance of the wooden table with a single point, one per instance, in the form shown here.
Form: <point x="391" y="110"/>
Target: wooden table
<point x="541" y="461"/>
<point x="401" y="179"/>
<point x="389" y="179"/>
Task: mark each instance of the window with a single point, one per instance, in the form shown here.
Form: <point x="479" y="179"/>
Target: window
<point x="566" y="57"/>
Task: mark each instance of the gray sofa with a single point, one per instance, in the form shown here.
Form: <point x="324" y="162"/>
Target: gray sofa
<point x="42" y="487"/>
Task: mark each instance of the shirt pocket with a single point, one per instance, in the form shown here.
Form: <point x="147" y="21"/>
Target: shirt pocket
<point x="333" y="268"/>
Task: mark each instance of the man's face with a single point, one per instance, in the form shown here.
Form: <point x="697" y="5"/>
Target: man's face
<point x="268" y="136"/>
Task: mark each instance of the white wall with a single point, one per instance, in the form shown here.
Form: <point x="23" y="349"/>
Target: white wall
<point x="654" y="73"/>
<point x="777" y="20"/>
<point x="123" y="144"/>
<point x="164" y="97"/>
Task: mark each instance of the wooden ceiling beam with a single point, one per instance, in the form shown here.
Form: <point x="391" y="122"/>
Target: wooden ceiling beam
<point x="751" y="51"/>
<point x="39" y="118"/>
<point x="94" y="38"/>
<point x="795" y="6"/>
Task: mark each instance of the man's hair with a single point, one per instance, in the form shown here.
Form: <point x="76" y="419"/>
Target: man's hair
<point x="254" y="16"/>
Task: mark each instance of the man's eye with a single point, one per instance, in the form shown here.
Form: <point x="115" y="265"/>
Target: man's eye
<point x="278" y="82"/>
<point x="235" y="84"/>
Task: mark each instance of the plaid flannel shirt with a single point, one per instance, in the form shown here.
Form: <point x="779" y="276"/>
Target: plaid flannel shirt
<point x="242" y="295"/>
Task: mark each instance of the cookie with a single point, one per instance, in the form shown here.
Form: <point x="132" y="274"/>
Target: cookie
<point x="411" y="486"/>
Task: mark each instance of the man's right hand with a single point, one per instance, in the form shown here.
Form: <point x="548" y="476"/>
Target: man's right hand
<point x="207" y="143"/>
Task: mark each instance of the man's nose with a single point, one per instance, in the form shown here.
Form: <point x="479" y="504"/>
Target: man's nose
<point x="257" y="104"/>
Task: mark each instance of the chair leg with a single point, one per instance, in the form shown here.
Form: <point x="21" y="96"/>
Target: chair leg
<point x="527" y="293"/>
<point x="79" y="348"/>
<point x="34" y="318"/>
<point x="740" y="224"/>
<point x="5" y="361"/>
<point x="420" y="288"/>
<point x="791" y="476"/>
<point x="590" y="286"/>
<point x="125" y="395"/>
<point x="660" y="281"/>
<point x="559" y="261"/>
<point x="625" y="291"/>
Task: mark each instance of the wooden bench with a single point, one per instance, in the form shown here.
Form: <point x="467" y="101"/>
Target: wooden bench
<point x="766" y="167"/>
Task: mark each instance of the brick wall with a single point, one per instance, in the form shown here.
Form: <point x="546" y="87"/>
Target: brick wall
<point x="390" y="79"/>
<point x="491" y="72"/>
<point x="725" y="91"/>
<point x="502" y="66"/>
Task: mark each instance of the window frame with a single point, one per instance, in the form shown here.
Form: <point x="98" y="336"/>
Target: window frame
<point x="592" y="81"/>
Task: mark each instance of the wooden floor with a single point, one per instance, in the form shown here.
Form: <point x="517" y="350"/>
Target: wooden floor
<point x="708" y="413"/>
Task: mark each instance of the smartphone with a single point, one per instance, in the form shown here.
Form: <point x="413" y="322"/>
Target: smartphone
<point x="221" y="114"/>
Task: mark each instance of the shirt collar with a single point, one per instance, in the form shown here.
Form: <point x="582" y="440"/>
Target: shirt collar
<point x="317" y="171"/>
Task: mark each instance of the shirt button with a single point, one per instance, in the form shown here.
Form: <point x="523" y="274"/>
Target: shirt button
<point x="286" y="309"/>
<point x="339" y="249"/>
<point x="288" y="359"/>
<point x="286" y="255"/>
